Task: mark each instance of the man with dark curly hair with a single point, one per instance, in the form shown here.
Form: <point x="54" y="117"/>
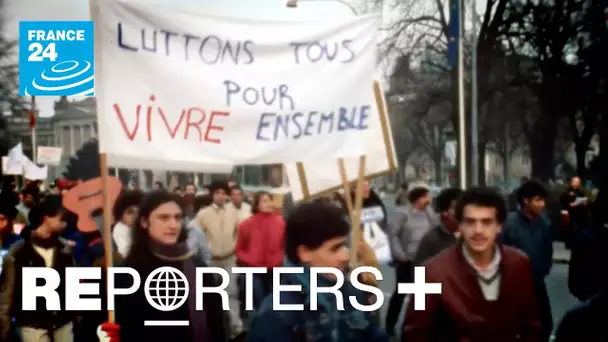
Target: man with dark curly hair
<point x="316" y="235"/>
<point x="220" y="223"/>
<point x="487" y="289"/>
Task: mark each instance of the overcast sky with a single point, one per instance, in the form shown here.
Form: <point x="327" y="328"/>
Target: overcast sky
<point x="17" y="10"/>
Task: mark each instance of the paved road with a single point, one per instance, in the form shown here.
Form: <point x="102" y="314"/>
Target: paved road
<point x="557" y="280"/>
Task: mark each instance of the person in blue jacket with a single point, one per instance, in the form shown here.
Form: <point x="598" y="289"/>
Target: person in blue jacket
<point x="72" y="237"/>
<point x="529" y="230"/>
<point x="315" y="236"/>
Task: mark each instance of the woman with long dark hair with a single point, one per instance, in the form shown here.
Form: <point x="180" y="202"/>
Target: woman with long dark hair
<point x="124" y="212"/>
<point x="160" y="240"/>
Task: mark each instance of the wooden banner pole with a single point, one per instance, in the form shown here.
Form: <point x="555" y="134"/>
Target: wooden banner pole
<point x="354" y="209"/>
<point x="346" y="185"/>
<point x="357" y="206"/>
<point x="349" y="206"/>
<point x="103" y="164"/>
<point x="107" y="222"/>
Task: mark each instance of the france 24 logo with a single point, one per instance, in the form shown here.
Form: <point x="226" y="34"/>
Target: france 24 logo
<point x="56" y="58"/>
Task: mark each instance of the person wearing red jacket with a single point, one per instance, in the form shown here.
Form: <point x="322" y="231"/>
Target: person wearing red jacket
<point x="260" y="243"/>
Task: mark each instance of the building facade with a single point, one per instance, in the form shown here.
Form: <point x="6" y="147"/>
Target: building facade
<point x="74" y="124"/>
<point x="18" y="130"/>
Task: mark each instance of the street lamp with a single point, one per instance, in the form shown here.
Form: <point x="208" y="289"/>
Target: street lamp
<point x="474" y="99"/>
<point x="294" y="4"/>
<point x="33" y="117"/>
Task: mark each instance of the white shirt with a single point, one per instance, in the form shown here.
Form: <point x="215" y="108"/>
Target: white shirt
<point x="122" y="238"/>
<point x="47" y="254"/>
<point x="490" y="289"/>
<point x="244" y="212"/>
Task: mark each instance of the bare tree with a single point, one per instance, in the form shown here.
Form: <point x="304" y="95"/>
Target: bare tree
<point x="10" y="101"/>
<point x="430" y="133"/>
<point x="547" y="33"/>
<point x="402" y="137"/>
<point x="422" y="109"/>
<point x="506" y="111"/>
<point x="422" y="32"/>
<point x="418" y="160"/>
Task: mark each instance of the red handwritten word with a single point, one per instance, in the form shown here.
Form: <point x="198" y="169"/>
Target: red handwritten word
<point x="191" y="119"/>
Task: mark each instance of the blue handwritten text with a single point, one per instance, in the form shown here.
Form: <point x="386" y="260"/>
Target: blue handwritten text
<point x="316" y="51"/>
<point x="275" y="126"/>
<point x="210" y="49"/>
<point x="253" y="96"/>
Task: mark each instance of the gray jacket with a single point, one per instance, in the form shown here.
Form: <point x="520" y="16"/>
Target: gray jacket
<point x="407" y="229"/>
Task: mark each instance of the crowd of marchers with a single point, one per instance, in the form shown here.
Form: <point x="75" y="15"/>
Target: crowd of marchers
<point x="492" y="264"/>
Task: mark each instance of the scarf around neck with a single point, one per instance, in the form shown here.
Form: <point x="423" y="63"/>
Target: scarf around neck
<point x="178" y="252"/>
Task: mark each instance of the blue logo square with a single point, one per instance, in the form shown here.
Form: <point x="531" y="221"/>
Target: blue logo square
<point x="56" y="58"/>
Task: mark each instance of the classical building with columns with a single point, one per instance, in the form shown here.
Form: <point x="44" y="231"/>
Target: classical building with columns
<point x="75" y="123"/>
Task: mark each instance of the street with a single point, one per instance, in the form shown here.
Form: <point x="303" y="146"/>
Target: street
<point x="557" y="280"/>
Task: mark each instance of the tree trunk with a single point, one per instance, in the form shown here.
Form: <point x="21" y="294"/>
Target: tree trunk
<point x="454" y="119"/>
<point x="541" y="153"/>
<point x="581" y="156"/>
<point x="603" y="186"/>
<point x="481" y="164"/>
<point x="603" y="131"/>
<point x="401" y="168"/>
<point x="542" y="136"/>
<point x="506" y="165"/>
<point x="438" y="166"/>
<point x="582" y="141"/>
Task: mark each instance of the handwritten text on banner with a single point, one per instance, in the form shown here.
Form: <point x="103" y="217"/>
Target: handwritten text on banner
<point x="183" y="86"/>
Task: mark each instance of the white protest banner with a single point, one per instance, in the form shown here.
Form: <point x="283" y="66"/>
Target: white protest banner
<point x="16" y="159"/>
<point x="13" y="170"/>
<point x="179" y="86"/>
<point x="48" y="155"/>
<point x="136" y="162"/>
<point x="314" y="178"/>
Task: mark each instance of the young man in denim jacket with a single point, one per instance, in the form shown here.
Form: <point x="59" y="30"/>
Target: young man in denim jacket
<point x="315" y="236"/>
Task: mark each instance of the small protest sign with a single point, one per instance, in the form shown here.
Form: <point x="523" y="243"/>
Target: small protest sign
<point x="87" y="197"/>
<point x="308" y="179"/>
<point x="49" y="155"/>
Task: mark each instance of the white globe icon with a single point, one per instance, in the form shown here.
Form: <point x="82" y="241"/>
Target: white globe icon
<point x="166" y="288"/>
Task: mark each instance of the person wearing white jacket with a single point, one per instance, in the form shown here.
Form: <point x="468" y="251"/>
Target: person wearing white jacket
<point x="125" y="213"/>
